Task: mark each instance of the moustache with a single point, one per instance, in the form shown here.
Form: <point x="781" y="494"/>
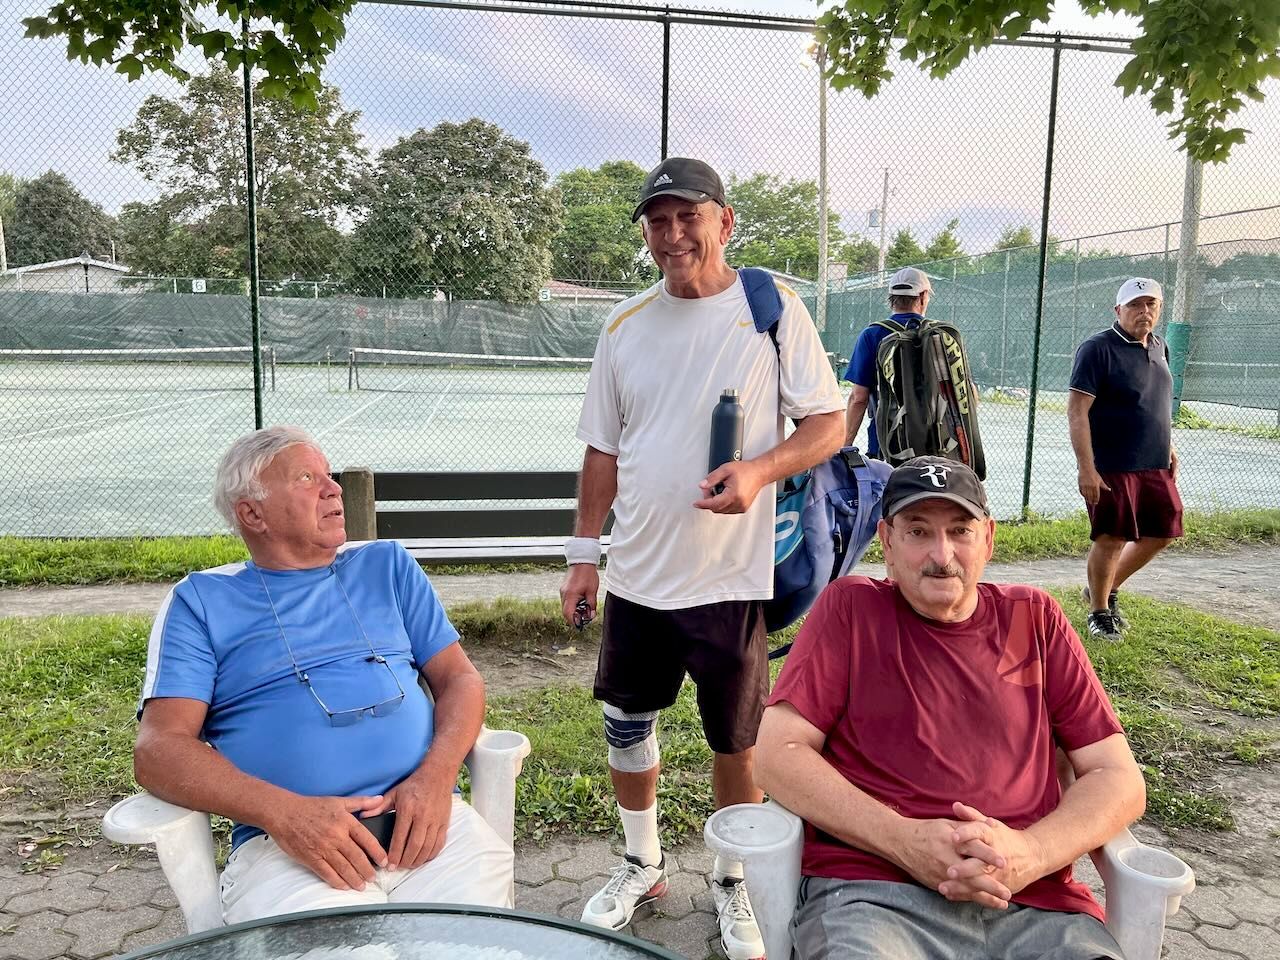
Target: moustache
<point x="951" y="569"/>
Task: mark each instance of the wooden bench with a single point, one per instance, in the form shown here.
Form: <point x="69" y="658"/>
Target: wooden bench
<point x="467" y="535"/>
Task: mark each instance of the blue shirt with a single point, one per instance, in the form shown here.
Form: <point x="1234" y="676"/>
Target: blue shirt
<point x="862" y="367"/>
<point x="1131" y="419"/>
<point x="217" y="641"/>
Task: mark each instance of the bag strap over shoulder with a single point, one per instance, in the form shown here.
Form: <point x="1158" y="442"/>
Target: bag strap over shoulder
<point x="888" y="323"/>
<point x="764" y="300"/>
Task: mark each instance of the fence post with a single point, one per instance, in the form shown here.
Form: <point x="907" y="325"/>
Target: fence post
<point x="1044" y="263"/>
<point x="1075" y="297"/>
<point x="666" y="81"/>
<point x="1004" y="320"/>
<point x="252" y="213"/>
<point x="358" y="504"/>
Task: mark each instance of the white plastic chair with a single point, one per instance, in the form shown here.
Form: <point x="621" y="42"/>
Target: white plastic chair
<point x="1144" y="885"/>
<point x="184" y="838"/>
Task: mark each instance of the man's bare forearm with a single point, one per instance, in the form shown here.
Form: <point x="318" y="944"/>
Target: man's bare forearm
<point x="1078" y="424"/>
<point x="1093" y="810"/>
<point x="816" y="437"/>
<point x="853" y="415"/>
<point x="458" y="716"/>
<point x="188" y="772"/>
<point x="796" y="775"/>
<point x="597" y="488"/>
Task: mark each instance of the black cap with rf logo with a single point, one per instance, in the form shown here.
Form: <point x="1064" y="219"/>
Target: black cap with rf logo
<point x="927" y="478"/>
<point x="680" y="177"/>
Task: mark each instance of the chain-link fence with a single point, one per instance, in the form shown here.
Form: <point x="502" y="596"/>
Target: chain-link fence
<point x="442" y="240"/>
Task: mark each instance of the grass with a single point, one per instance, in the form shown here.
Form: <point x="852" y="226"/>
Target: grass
<point x="41" y="562"/>
<point x="68" y="686"/>
<point x="1188" y="419"/>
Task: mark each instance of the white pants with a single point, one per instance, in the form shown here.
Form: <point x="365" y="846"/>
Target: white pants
<point x="475" y="867"/>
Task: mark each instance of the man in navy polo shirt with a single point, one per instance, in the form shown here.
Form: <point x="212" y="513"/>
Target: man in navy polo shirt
<point x="909" y="293"/>
<point x="1120" y="411"/>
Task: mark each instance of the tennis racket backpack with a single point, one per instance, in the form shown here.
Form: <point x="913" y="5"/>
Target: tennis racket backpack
<point x="824" y="518"/>
<point x="925" y="398"/>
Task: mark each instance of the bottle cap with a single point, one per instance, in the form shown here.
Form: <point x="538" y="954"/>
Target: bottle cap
<point x="729" y="393"/>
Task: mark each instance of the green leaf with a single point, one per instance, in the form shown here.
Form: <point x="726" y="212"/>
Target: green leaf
<point x="130" y="66"/>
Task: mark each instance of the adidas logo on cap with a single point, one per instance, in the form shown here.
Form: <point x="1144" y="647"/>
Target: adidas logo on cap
<point x="663" y="178"/>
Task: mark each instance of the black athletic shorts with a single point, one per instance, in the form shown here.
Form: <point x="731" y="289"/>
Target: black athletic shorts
<point x="645" y="653"/>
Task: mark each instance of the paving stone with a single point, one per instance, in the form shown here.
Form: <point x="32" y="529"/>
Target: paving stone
<point x="101" y="932"/>
<point x="1210" y="904"/>
<point x="689" y="936"/>
<point x="534" y="863"/>
<point x="681" y="889"/>
<point x="163" y="898"/>
<point x="1268" y="885"/>
<point x="19" y="884"/>
<point x="1180" y="945"/>
<point x="572" y="909"/>
<point x="127" y="888"/>
<point x="37" y="937"/>
<point x="1250" y="939"/>
<point x="1182" y="920"/>
<point x="65" y="892"/>
<point x="170" y="927"/>
<point x="545" y="897"/>
<point x="1251" y="903"/>
<point x="591" y="858"/>
<point x="694" y="857"/>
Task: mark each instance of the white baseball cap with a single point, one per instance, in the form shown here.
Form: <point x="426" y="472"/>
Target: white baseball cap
<point x="1137" y="287"/>
<point x="909" y="282"/>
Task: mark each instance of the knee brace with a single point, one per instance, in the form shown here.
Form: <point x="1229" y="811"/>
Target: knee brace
<point x="632" y="739"/>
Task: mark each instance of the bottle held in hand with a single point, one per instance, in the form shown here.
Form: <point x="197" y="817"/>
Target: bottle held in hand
<point x="726" y="433"/>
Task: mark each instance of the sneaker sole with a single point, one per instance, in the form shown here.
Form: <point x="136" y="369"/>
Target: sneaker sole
<point x="656" y="891"/>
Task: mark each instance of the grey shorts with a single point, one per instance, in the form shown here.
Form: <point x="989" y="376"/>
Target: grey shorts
<point x="849" y="919"/>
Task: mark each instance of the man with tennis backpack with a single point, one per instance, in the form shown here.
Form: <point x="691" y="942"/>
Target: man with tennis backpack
<point x="914" y="376"/>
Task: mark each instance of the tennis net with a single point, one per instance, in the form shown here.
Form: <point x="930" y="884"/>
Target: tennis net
<point x="134" y="368"/>
<point x="421" y="371"/>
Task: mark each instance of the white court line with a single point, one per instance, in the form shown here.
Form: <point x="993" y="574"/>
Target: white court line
<point x="115" y="416"/>
<point x="379" y="399"/>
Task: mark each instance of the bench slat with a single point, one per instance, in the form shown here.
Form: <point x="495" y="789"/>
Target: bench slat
<point x="477" y="485"/>
<point x="399" y="524"/>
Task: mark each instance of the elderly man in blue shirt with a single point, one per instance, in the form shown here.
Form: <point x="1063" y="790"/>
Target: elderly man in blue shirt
<point x="299" y="668"/>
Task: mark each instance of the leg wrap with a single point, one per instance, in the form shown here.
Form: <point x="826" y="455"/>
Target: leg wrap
<point x="633" y="742"/>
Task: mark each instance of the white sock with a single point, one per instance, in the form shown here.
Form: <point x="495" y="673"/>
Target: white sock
<point x="725" y="869"/>
<point x="640" y="827"/>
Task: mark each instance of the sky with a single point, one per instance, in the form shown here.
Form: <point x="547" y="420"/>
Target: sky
<point x="583" y="91"/>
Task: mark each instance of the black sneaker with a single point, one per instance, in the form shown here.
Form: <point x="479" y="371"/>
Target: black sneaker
<point x="1102" y="624"/>
<point x="1113" y="605"/>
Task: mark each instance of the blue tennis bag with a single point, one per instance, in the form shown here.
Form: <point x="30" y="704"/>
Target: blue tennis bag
<point x="825" y="517"/>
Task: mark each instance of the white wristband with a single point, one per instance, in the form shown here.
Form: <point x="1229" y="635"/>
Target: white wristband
<point x="582" y="550"/>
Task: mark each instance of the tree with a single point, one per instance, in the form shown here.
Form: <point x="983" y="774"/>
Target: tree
<point x="9" y="185"/>
<point x="193" y="147"/>
<point x="52" y="221"/>
<point x="463" y="208"/>
<point x="861" y="255"/>
<point x="292" y="41"/>
<point x="904" y="251"/>
<point x="1198" y="57"/>
<point x="599" y="243"/>
<point x="945" y="245"/>
<point x="777" y="224"/>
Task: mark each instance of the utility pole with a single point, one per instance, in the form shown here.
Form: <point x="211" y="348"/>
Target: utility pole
<point x="1178" y="331"/>
<point x="884" y="215"/>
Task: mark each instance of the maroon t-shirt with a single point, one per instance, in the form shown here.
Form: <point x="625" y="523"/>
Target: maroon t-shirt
<point x="919" y="713"/>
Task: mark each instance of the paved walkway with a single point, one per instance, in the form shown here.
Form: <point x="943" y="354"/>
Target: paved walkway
<point x="104" y="900"/>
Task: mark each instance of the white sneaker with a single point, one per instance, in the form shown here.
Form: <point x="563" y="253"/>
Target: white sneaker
<point x="739" y="931"/>
<point x="632" y="885"/>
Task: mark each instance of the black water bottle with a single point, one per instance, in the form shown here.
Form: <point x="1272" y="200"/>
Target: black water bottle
<point x="726" y="433"/>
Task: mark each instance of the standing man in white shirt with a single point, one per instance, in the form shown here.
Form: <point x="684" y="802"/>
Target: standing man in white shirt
<point x="688" y="567"/>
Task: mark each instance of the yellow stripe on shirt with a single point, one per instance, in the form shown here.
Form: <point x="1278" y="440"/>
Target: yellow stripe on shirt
<point x="634" y="310"/>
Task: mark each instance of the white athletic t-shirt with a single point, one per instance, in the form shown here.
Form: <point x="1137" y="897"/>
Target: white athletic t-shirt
<point x="660" y="365"/>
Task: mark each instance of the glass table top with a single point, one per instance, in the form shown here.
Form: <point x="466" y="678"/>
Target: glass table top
<point x="407" y="932"/>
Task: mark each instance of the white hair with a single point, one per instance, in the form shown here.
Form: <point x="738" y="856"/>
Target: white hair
<point x="239" y="475"/>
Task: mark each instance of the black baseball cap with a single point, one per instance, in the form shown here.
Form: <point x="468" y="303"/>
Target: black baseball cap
<point x="928" y="478"/>
<point x="680" y="177"/>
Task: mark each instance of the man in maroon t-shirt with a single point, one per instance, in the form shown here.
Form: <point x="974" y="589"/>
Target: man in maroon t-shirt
<point x="915" y="727"/>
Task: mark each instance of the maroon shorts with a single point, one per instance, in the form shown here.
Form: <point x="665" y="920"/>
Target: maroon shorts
<point x="1140" y="503"/>
<point x="645" y="652"/>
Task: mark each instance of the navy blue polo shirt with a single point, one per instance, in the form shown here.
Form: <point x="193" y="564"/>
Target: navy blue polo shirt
<point x="862" y="367"/>
<point x="1132" y="389"/>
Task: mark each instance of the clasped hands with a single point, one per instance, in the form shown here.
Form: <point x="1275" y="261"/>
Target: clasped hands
<point x="974" y="857"/>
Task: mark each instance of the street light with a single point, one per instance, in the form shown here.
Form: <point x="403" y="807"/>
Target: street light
<point x="85" y="259"/>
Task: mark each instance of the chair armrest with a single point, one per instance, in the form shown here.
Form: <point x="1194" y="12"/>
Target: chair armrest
<point x="1145" y="886"/>
<point x="494" y="763"/>
<point x="768" y="839"/>
<point x="184" y="845"/>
